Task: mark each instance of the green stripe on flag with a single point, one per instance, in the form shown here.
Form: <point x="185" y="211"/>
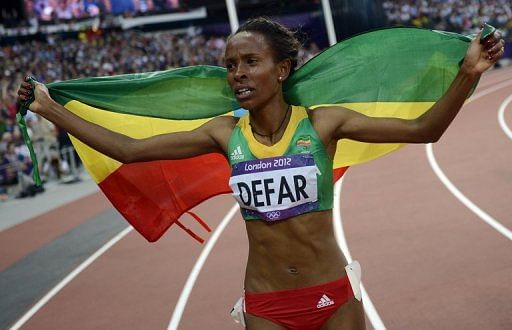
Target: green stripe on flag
<point x="185" y="93"/>
<point x="389" y="65"/>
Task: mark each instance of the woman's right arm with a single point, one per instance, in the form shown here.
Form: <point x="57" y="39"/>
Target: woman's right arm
<point x="205" y="139"/>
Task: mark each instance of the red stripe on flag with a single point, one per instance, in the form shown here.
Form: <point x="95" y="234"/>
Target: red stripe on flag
<point x="338" y="173"/>
<point x="153" y="195"/>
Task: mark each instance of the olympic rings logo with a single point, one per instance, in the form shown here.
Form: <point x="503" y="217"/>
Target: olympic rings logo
<point x="274" y="215"/>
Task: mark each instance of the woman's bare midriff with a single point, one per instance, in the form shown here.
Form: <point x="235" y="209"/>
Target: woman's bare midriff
<point x="293" y="253"/>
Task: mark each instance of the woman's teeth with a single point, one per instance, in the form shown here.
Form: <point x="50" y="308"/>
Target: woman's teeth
<point x="243" y="91"/>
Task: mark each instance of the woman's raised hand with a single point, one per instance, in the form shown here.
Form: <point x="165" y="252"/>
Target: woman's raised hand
<point x="42" y="99"/>
<point x="482" y="55"/>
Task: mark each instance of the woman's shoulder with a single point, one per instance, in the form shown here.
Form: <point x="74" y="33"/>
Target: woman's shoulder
<point x="326" y="119"/>
<point x="221" y="127"/>
<point x="225" y="121"/>
<point x="325" y="112"/>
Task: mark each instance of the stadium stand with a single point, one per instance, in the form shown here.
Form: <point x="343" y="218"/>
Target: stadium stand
<point x="462" y="16"/>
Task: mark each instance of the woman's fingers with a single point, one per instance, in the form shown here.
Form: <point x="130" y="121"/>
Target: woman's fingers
<point x="23" y="91"/>
<point x="496" y="56"/>
<point x="496" y="47"/>
<point x="24" y="94"/>
<point x="492" y="40"/>
<point x="495" y="37"/>
<point x="26" y="90"/>
<point x="26" y="85"/>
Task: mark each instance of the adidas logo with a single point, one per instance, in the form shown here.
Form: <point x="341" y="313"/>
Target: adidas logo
<point x="324" y="302"/>
<point x="237" y="154"/>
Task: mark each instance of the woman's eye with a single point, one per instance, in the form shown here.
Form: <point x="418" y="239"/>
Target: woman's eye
<point x="252" y="61"/>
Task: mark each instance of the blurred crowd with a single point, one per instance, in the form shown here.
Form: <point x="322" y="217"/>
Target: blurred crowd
<point x="115" y="52"/>
<point x="462" y="16"/>
<point x="15" y="164"/>
<point x="70" y="9"/>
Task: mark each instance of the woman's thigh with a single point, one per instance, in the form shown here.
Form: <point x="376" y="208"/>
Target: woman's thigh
<point x="350" y="316"/>
<point x="256" y="323"/>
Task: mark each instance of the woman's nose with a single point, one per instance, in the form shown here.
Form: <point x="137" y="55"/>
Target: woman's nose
<point x="240" y="72"/>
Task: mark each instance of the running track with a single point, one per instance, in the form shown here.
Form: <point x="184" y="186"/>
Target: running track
<point x="428" y="260"/>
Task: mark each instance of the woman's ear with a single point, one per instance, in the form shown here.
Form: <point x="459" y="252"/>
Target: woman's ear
<point x="284" y="68"/>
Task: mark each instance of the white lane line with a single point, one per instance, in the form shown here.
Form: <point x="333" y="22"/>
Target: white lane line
<point x="501" y="117"/>
<point x="69" y="278"/>
<point x="463" y="199"/>
<point x="369" y="308"/>
<point x="451" y="187"/>
<point x="191" y="280"/>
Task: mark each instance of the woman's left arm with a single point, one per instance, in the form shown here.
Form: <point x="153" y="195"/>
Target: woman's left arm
<point x="431" y="125"/>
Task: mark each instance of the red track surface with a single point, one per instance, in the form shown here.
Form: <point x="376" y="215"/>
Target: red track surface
<point x="428" y="261"/>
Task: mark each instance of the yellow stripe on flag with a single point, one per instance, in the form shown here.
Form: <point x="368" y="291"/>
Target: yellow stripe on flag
<point x="139" y="127"/>
<point x="349" y="152"/>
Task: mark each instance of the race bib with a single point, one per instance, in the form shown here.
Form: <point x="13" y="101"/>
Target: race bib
<point x="276" y="188"/>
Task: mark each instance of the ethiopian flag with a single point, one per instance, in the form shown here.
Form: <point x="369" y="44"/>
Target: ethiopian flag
<point x="397" y="72"/>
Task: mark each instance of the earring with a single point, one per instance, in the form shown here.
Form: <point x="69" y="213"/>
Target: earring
<point x="280" y="78"/>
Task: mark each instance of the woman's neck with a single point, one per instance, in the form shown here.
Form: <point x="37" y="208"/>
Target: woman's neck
<point x="269" y="123"/>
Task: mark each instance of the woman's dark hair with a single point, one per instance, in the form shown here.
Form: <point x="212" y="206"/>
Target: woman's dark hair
<point x="282" y="41"/>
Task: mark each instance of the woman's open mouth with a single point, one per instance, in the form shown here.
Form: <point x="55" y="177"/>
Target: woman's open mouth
<point x="243" y="93"/>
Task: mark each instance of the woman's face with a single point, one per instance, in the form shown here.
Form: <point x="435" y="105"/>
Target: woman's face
<point x="253" y="74"/>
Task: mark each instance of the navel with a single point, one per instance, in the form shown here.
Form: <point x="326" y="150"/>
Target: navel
<point x="293" y="270"/>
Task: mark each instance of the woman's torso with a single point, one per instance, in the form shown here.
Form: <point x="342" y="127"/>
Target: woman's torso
<point x="294" y="253"/>
<point x="297" y="252"/>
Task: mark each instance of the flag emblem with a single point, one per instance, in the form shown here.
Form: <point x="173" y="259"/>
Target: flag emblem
<point x="304" y="143"/>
